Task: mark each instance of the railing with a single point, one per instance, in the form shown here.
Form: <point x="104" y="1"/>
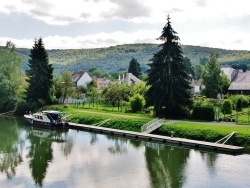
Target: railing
<point x="226" y="138"/>
<point x="152" y="125"/>
<point x="101" y="123"/>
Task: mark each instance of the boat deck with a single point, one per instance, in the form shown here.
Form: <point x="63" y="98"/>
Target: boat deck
<point x="223" y="148"/>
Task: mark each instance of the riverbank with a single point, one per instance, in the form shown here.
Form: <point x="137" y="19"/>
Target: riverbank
<point x="203" y="131"/>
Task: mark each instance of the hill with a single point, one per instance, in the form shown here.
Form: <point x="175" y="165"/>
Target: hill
<point x="117" y="58"/>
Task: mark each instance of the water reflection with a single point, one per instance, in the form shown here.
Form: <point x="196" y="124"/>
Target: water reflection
<point x="165" y="165"/>
<point x="34" y="157"/>
<point x="10" y="156"/>
<point x="118" y="145"/>
<point x="41" y="152"/>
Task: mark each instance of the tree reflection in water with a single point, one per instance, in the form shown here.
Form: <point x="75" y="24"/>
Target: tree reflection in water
<point x="41" y="152"/>
<point x="119" y="145"/>
<point x="165" y="165"/>
<point x="10" y="155"/>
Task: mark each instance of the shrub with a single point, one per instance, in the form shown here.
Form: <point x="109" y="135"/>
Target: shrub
<point x="137" y="102"/>
<point x="239" y="105"/>
<point x="206" y="113"/>
<point x="22" y="108"/>
<point x="227" y="107"/>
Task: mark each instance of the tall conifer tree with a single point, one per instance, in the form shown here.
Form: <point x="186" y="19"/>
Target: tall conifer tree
<point x="134" y="67"/>
<point x="40" y="75"/>
<point x="169" y="92"/>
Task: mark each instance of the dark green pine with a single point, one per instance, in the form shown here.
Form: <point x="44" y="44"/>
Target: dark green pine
<point x="168" y="78"/>
<point x="134" y="67"/>
<point x="40" y="74"/>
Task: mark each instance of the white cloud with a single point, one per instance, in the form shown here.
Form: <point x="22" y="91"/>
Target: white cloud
<point x="194" y="20"/>
<point x="97" y="40"/>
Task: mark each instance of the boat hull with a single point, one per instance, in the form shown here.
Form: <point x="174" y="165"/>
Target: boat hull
<point x="31" y="121"/>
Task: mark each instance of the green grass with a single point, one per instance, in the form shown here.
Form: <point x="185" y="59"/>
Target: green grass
<point x="208" y="132"/>
<point x="133" y="121"/>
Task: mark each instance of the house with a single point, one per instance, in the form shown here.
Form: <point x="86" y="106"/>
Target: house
<point x="129" y="79"/>
<point x="196" y="86"/>
<point x="102" y="82"/>
<point x="81" y="78"/>
<point x="229" y="72"/>
<point x="240" y="84"/>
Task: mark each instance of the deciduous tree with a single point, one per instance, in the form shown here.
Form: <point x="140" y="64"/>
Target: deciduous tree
<point x="11" y="77"/>
<point x="212" y="77"/>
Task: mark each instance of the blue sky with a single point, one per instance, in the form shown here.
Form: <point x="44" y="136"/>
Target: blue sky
<point x="73" y="24"/>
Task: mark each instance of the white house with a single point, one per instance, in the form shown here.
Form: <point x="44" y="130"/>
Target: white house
<point x="81" y="78"/>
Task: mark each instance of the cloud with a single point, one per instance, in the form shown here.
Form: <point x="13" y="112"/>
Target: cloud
<point x="201" y="3"/>
<point x="96" y="40"/>
<point x="128" y="9"/>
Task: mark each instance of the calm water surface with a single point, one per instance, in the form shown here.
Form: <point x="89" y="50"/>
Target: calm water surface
<point x="42" y="158"/>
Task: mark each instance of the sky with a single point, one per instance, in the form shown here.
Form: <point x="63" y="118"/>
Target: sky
<point x="77" y="24"/>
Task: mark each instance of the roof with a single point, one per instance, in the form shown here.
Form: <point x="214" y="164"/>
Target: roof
<point x="241" y="81"/>
<point x="227" y="70"/>
<point x="77" y="75"/>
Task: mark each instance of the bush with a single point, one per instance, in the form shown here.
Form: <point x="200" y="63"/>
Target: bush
<point x="206" y="113"/>
<point x="239" y="105"/>
<point x="137" y="102"/>
<point x="22" y="108"/>
<point x="227" y="107"/>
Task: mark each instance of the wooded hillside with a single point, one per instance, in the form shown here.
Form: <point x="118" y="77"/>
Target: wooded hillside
<point x="117" y="58"/>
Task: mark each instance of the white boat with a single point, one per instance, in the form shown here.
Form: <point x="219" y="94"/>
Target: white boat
<point x="48" y="119"/>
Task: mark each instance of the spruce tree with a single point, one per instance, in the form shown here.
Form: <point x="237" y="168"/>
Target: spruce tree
<point x="39" y="75"/>
<point x="134" y="67"/>
<point x="169" y="92"/>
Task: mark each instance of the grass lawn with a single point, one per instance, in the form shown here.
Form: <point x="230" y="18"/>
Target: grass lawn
<point x="209" y="131"/>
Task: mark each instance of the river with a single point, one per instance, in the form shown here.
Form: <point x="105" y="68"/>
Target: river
<point x="31" y="157"/>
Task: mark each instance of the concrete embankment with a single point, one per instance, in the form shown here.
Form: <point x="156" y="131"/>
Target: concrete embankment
<point x="223" y="148"/>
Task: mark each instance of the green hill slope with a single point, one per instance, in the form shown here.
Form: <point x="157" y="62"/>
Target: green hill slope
<point x="117" y="58"/>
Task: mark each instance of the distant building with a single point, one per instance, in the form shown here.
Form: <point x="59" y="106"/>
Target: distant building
<point x="240" y="84"/>
<point x="196" y="86"/>
<point x="229" y="72"/>
<point x="102" y="82"/>
<point x="129" y="79"/>
<point x="81" y="78"/>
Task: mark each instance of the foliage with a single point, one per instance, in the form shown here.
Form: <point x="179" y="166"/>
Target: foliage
<point x="64" y="86"/>
<point x="190" y="67"/>
<point x="39" y="75"/>
<point x="137" y="102"/>
<point x="239" y="104"/>
<point x="11" y="77"/>
<point x="227" y="107"/>
<point x="204" y="112"/>
<point x="139" y="88"/>
<point x="241" y="66"/>
<point x="134" y="67"/>
<point x="225" y="83"/>
<point x="168" y="78"/>
<point x="116" y="58"/>
<point x="212" y="78"/>
<point x="198" y="71"/>
<point x="115" y="94"/>
<point x="22" y="108"/>
<point x="92" y="92"/>
<point x="244" y="100"/>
